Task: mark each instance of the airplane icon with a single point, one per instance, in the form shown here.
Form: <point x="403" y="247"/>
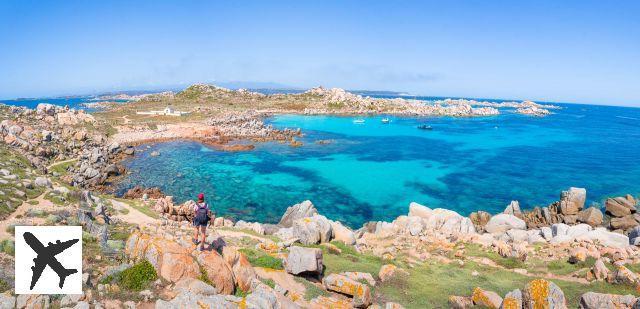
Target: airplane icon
<point x="46" y="256"/>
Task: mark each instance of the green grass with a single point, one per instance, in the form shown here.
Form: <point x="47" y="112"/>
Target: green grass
<point x="138" y="276"/>
<point x="258" y="258"/>
<point x="269" y="282"/>
<point x="311" y="290"/>
<point x="8" y="246"/>
<point x="4" y="286"/>
<point x="349" y="260"/>
<point x="62" y="167"/>
<point x="140" y="207"/>
<point x="430" y="285"/>
<point x="562" y="267"/>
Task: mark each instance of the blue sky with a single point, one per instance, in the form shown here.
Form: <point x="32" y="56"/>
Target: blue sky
<point x="567" y="51"/>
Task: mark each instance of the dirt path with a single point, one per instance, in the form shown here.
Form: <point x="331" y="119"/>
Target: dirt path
<point x="60" y="162"/>
<point x="133" y="216"/>
<point x="18" y="216"/>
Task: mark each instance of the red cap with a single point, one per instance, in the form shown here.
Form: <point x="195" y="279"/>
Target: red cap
<point x="201" y="196"/>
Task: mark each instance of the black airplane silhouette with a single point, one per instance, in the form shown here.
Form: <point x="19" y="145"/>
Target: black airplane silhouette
<point x="46" y="256"/>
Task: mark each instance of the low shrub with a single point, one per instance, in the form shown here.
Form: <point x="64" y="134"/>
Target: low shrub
<point x="138" y="276"/>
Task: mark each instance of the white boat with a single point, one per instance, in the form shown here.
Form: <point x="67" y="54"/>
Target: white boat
<point x="358" y="121"/>
<point x="385" y="120"/>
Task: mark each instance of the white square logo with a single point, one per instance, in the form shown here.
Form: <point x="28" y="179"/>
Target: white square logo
<point x="48" y="260"/>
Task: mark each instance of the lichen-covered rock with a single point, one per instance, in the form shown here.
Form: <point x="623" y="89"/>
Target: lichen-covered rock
<point x="194" y="286"/>
<point x="540" y="293"/>
<point x="488" y="299"/>
<point x="297" y="211"/>
<point x="513" y="300"/>
<point x="599" y="271"/>
<point x="192" y="300"/>
<point x="622" y="275"/>
<point x="303" y="260"/>
<point x="360" y="292"/>
<point x="592" y="300"/>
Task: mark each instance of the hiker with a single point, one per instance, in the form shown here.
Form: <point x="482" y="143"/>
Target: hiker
<point x="202" y="216"/>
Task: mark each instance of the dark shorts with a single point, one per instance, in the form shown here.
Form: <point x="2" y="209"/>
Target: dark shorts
<point x="197" y="222"/>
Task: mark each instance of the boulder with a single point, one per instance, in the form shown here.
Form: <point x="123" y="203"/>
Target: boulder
<point x="577" y="255"/>
<point x="559" y="229"/>
<point x="218" y="271"/>
<point x="460" y="302"/>
<point x="572" y="200"/>
<point x="619" y="207"/>
<point x="342" y="233"/>
<point x="192" y="300"/>
<point x="480" y="219"/>
<point x="42" y="182"/>
<point x="623" y="223"/>
<point x="302" y="260"/>
<point x="387" y="272"/>
<point x="592" y="216"/>
<point x="513" y="209"/>
<point x="312" y="230"/>
<point x="600" y="270"/>
<point x="360" y="276"/>
<point x="172" y="261"/>
<point x="513" y="300"/>
<point x="578" y="230"/>
<point x="592" y="300"/>
<point x="622" y="275"/>
<point x="360" y="292"/>
<point x="609" y="239"/>
<point x="487" y="299"/>
<point x="242" y="270"/>
<point x="417" y="210"/>
<point x="634" y="236"/>
<point x="297" y="211"/>
<point x="194" y="286"/>
<point x="447" y="223"/>
<point x="7" y="301"/>
<point x="540" y="293"/>
<point x="502" y="222"/>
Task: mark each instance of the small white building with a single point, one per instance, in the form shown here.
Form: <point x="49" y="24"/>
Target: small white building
<point x="168" y="111"/>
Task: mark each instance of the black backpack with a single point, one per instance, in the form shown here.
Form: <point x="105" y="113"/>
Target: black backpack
<point x="202" y="214"/>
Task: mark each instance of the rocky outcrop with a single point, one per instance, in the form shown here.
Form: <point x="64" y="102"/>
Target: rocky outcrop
<point x="139" y="192"/>
<point x="243" y="272"/>
<point x="313" y="230"/>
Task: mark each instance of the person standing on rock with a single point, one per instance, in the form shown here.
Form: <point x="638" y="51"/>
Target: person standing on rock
<point x="202" y="216"/>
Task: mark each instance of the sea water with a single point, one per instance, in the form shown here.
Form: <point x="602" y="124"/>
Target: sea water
<point x="372" y="171"/>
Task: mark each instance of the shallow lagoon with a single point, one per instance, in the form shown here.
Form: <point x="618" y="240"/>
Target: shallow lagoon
<point x="372" y="171"/>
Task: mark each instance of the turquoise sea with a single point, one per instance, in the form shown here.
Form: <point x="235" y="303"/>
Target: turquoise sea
<point x="372" y="171"/>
